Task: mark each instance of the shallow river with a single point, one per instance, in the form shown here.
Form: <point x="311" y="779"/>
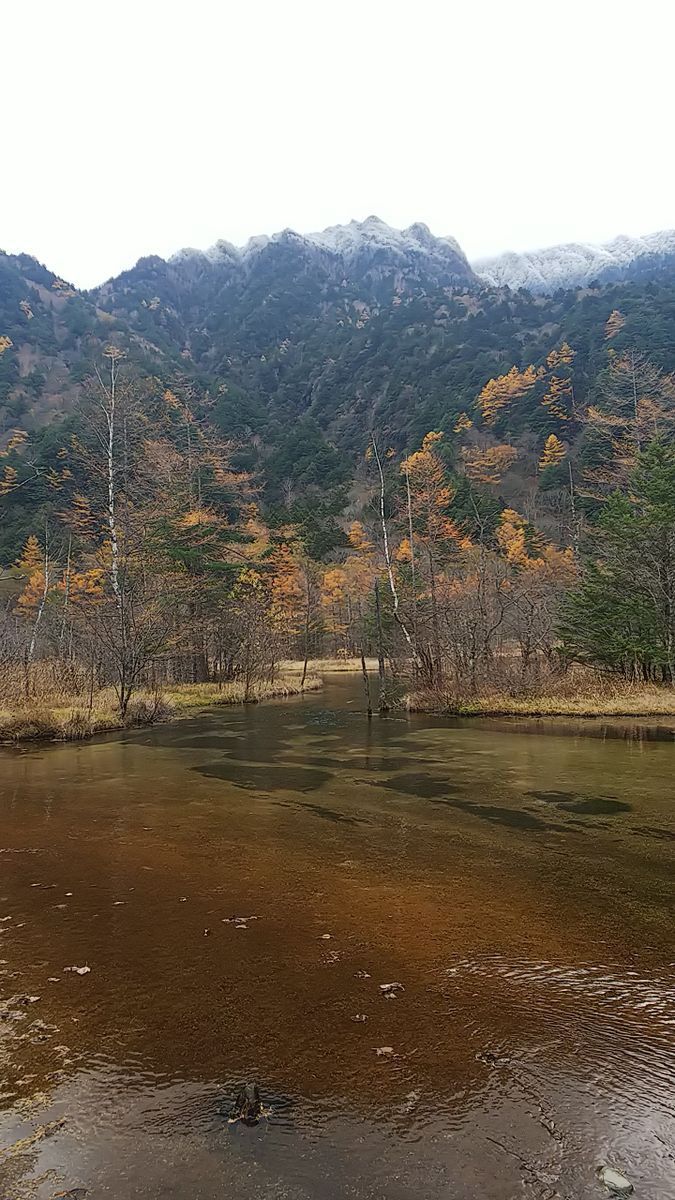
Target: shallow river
<point x="516" y="880"/>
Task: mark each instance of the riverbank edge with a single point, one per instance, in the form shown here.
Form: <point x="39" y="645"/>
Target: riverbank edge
<point x="635" y="703"/>
<point x="74" y="722"/>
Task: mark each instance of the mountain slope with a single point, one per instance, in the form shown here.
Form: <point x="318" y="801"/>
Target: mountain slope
<point x="369" y="250"/>
<point x="299" y="347"/>
<point x="578" y="264"/>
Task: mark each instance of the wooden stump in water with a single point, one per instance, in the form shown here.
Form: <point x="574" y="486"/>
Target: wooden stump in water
<point x="247" y="1106"/>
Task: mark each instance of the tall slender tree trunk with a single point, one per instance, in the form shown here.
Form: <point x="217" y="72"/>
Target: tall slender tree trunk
<point x="438" y="671"/>
<point x="307" y="628"/>
<point x="366" y="685"/>
<point x="66" y="598"/>
<point x="573" y="512"/>
<point x="413" y="572"/>
<point x="383" y="705"/>
<point x="43" y="600"/>
<point x="387" y="558"/>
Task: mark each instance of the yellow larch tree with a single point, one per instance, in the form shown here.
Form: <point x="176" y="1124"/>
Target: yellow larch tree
<point x="553" y="454"/>
<point x="559" y="397"/>
<point x="500" y="392"/>
<point x="463" y="423"/>
<point x="333" y="604"/>
<point x="437" y="536"/>
<point x="615" y="323"/>
<point x="286" y="591"/>
<point x="511" y="537"/>
<point x="33" y="566"/>
<point x="488" y="465"/>
<point x="563" y="356"/>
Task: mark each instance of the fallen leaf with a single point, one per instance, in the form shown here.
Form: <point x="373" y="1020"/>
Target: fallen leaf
<point x="383" y="1051"/>
<point x="78" y="970"/>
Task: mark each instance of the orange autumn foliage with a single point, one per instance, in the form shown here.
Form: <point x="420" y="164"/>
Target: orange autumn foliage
<point x="500" y="392"/>
<point x="488" y="465"/>
<point x="553" y="453"/>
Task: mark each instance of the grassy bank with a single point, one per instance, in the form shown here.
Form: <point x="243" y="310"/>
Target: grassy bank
<point x="648" y="701"/>
<point x="326" y="665"/>
<point x="73" y="719"/>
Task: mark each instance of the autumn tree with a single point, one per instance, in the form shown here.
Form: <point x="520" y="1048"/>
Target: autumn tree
<point x="614" y="325"/>
<point x="435" y="536"/>
<point x="34" y="567"/>
<point x="488" y="465"/>
<point x="553" y="454"/>
<point x="256" y="640"/>
<point x="499" y="393"/>
<point x="363" y="576"/>
<point x="130" y="620"/>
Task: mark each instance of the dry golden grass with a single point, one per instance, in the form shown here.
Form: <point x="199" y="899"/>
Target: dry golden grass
<point x="202" y="695"/>
<point x="610" y="700"/>
<point x="326" y="665"/>
<point x="60" y="721"/>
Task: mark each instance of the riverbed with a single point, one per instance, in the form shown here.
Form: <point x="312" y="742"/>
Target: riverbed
<point x="241" y="884"/>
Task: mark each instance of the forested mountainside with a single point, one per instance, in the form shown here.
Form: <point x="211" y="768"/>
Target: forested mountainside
<point x="299" y="348"/>
<point x="343" y="443"/>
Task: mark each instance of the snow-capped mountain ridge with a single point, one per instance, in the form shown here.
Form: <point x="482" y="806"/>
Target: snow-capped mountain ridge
<point x="356" y="242"/>
<point x="372" y="244"/>
<point x="337" y="239"/>
<point x="577" y="264"/>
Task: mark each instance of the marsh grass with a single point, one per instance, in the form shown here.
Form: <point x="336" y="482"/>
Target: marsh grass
<point x="327" y="665"/>
<point x="51" y="717"/>
<point x="585" y="695"/>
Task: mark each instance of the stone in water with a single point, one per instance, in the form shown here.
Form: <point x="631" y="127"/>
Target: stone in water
<point x="615" y="1181"/>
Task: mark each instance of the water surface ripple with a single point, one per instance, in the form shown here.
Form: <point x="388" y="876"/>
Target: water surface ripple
<point x="240" y="886"/>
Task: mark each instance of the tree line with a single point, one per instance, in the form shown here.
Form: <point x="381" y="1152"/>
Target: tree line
<point x="159" y="565"/>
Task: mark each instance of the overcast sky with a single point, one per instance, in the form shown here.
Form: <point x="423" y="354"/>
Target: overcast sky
<point x="140" y="127"/>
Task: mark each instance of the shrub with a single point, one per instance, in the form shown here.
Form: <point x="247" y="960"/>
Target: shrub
<point x="146" y="709"/>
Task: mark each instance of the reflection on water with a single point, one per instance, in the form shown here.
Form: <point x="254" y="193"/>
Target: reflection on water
<point x="241" y="884"/>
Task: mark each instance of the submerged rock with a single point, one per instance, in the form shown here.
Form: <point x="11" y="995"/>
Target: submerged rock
<point x="617" y="1183"/>
<point x="389" y="990"/>
<point x="247" y="1106"/>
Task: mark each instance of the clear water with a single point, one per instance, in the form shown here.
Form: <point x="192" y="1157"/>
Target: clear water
<point x="517" y="880"/>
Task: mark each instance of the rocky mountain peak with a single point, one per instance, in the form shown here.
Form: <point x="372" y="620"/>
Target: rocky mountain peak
<point x="577" y="264"/>
<point x="357" y="245"/>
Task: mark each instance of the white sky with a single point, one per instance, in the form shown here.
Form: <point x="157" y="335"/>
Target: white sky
<point x="139" y="127"/>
